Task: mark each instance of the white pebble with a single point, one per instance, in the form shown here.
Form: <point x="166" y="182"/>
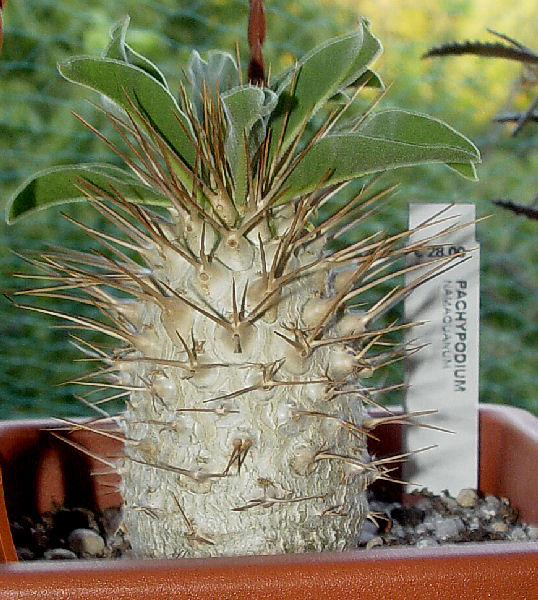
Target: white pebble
<point x="86" y="542"/>
<point x="449" y="502"/>
<point x="518" y="535"/>
<point x="374" y="542"/>
<point x="474" y="524"/>
<point x="467" y="498"/>
<point x="446" y="529"/>
<point x="59" y="554"/>
<point x="426" y="543"/>
<point x="499" y="527"/>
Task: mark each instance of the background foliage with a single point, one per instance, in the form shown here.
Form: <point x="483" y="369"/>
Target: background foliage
<point x="37" y="130"/>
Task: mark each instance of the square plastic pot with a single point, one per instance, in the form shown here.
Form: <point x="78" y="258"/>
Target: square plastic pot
<point x="40" y="472"/>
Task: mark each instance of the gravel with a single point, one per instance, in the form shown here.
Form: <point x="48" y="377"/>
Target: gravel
<point x="70" y="533"/>
<point x="423" y="520"/>
<point x="427" y="520"/>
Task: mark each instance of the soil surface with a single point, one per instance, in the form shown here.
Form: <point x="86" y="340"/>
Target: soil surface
<point x="424" y="519"/>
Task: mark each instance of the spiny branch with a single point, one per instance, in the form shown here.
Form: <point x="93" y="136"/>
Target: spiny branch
<point x="486" y="49"/>
<point x="519" y="209"/>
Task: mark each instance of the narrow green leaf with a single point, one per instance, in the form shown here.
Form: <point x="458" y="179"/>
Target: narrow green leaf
<point x="219" y="74"/>
<point x="415" y="128"/>
<point x="466" y="170"/>
<point x="370" y="50"/>
<point x="122" y="82"/>
<point x="58" y="186"/>
<point x="244" y="107"/>
<point x="351" y="155"/>
<point x="118" y="49"/>
<point x="329" y="68"/>
<point x="369" y="79"/>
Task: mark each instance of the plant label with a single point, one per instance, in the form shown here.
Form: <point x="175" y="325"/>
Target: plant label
<point x="443" y="374"/>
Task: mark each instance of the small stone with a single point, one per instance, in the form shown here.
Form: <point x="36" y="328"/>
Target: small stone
<point x="374" y="542"/>
<point x="474" y="524"/>
<point x="430" y="523"/>
<point x="392" y="540"/>
<point x="397" y="531"/>
<point x="507" y="512"/>
<point x="426" y="542"/>
<point x="24" y="554"/>
<point x="532" y="532"/>
<point x="368" y="532"/>
<point x="467" y="498"/>
<point x="450" y="528"/>
<point x="499" y="527"/>
<point x="420" y="529"/>
<point x="493" y="503"/>
<point x="86" y="543"/>
<point x="493" y="500"/>
<point x="487" y="512"/>
<point x="59" y="554"/>
<point x="518" y="535"/>
<point x="450" y="503"/>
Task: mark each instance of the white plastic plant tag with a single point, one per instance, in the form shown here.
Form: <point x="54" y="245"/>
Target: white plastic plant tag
<point x="444" y="374"/>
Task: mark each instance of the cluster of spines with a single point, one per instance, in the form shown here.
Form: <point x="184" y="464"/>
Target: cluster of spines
<point x="362" y="266"/>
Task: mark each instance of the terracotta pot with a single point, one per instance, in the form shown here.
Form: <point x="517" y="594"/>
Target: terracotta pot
<point x="40" y="472"/>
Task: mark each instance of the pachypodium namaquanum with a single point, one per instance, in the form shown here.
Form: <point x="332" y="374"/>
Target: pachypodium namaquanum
<point x="245" y="338"/>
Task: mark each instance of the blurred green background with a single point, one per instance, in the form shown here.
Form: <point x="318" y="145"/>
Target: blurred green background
<point x="37" y="130"/>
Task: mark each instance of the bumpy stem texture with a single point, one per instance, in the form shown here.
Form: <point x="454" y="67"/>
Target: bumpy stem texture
<point x="244" y="446"/>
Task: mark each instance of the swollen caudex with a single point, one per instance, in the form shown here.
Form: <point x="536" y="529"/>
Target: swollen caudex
<point x="262" y="398"/>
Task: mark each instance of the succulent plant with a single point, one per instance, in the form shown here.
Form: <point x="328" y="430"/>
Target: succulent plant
<point x="245" y="339"/>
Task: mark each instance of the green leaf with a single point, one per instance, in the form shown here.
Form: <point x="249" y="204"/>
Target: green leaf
<point x="219" y="74"/>
<point x="370" y="50"/>
<point x="466" y="170"/>
<point x="415" y="128"/>
<point x="329" y="68"/>
<point x="119" y="49"/>
<point x="244" y="107"/>
<point x="350" y="155"/>
<point x="122" y="83"/>
<point x="58" y="185"/>
<point x="369" y="79"/>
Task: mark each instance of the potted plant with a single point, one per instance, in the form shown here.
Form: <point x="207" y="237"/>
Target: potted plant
<point x="243" y="353"/>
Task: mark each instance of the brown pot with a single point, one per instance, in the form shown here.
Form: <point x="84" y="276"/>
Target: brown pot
<point x="40" y="472"/>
